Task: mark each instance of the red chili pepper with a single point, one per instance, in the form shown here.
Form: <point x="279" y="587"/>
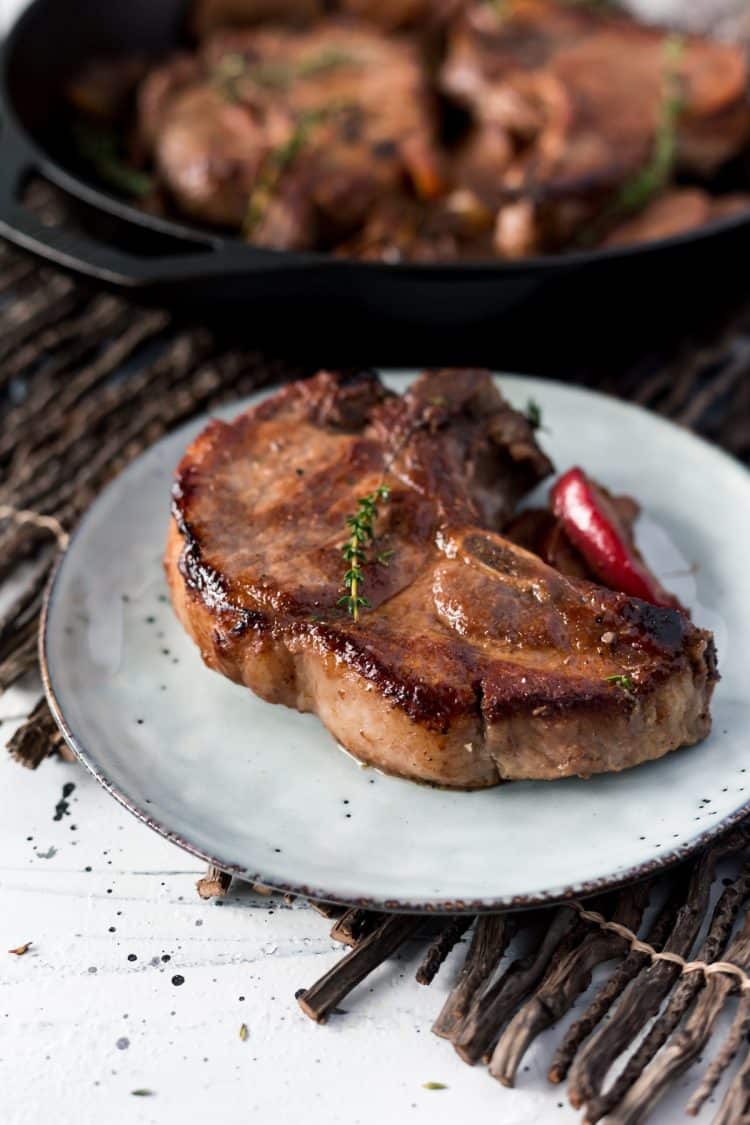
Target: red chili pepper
<point x="592" y="525"/>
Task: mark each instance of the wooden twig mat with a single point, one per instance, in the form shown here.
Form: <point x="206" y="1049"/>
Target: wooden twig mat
<point x="87" y="382"/>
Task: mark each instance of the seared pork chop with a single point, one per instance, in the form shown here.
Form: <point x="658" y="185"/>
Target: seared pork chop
<point x="475" y="661"/>
<point x="569" y="105"/>
<point x="292" y="135"/>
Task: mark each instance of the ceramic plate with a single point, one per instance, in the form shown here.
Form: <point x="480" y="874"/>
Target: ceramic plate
<point x="265" y="792"/>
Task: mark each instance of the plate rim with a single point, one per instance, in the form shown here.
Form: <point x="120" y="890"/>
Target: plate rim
<point x="484" y="905"/>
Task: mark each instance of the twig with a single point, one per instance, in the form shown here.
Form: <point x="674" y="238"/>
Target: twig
<point x="214" y="884"/>
<point x="441" y="947"/>
<point x="610" y="991"/>
<point x="566" y="979"/>
<point x="489" y="941"/>
<point x="26" y="604"/>
<point x="717" y="989"/>
<point x="643" y="996"/>
<point x="320" y="1000"/>
<point x="734" y="1107"/>
<point x="21" y="659"/>
<point x="354" y="924"/>
<point x="687" y="988"/>
<point x="38" y="738"/>
<point x="494" y="1006"/>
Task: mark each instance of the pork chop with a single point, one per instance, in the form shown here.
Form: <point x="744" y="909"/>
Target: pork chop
<point x="473" y="661"/>
<point x="292" y="134"/>
<point x="571" y="104"/>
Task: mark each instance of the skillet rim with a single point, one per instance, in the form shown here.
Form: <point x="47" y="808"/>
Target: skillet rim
<point x="222" y="244"/>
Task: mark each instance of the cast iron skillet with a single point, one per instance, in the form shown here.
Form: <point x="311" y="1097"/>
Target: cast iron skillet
<point x="541" y="312"/>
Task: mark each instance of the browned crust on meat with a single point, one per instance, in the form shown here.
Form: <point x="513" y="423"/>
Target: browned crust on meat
<point x="456" y="676"/>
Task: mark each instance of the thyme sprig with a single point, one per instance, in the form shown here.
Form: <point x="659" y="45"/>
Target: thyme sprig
<point x="361" y="525"/>
<point x="657" y="172"/>
<point x="622" y="681"/>
<point x="102" y="148"/>
<point x="534" y="414"/>
<point x="234" y="68"/>
<point x="279" y="159"/>
<point x="355" y="551"/>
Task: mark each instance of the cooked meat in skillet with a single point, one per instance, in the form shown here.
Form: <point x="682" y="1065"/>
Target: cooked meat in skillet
<point x="574" y="107"/>
<point x="209" y="15"/>
<point x="393" y="14"/>
<point x="676" y="212"/>
<point x="402" y="228"/>
<point x="294" y="135"/>
<point x="473" y="661"/>
<point x="426" y="130"/>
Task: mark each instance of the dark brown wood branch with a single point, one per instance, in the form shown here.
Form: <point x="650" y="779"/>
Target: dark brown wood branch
<point x="735" y="1106"/>
<point x="491" y="1008"/>
<point x="73" y="336"/>
<point x="27" y="602"/>
<point x="214" y="884"/>
<point x="69" y="499"/>
<point x="683" y="995"/>
<point x="49" y="400"/>
<point x="38" y="738"/>
<point x="354" y="924"/>
<point x="21" y="658"/>
<point x="490" y="939"/>
<point x="63" y="358"/>
<point x="717" y="989"/>
<point x="15" y="273"/>
<point x="565" y="980"/>
<point x="46" y="308"/>
<point x="178" y="388"/>
<point x="739" y="1033"/>
<point x="319" y="1001"/>
<point x="612" y="989"/>
<point x="643" y="996"/>
<point x="689" y="1042"/>
<point x="38" y="464"/>
<point x="439" y="949"/>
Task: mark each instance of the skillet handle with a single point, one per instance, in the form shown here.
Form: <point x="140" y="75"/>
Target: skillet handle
<point x="84" y="253"/>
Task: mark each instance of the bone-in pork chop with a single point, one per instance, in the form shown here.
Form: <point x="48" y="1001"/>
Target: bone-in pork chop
<point x="474" y="661"/>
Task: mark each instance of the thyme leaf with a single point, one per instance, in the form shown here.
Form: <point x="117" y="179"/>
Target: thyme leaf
<point x="621" y="681"/>
<point x="534" y="414"/>
<point x="278" y="160"/>
<point x="328" y="59"/>
<point x="434" y="1086"/>
<point x="227" y="74"/>
<point x="361" y="527"/>
<point x="656" y="173"/>
<point x="271" y="74"/>
<point x="101" y="148"/>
